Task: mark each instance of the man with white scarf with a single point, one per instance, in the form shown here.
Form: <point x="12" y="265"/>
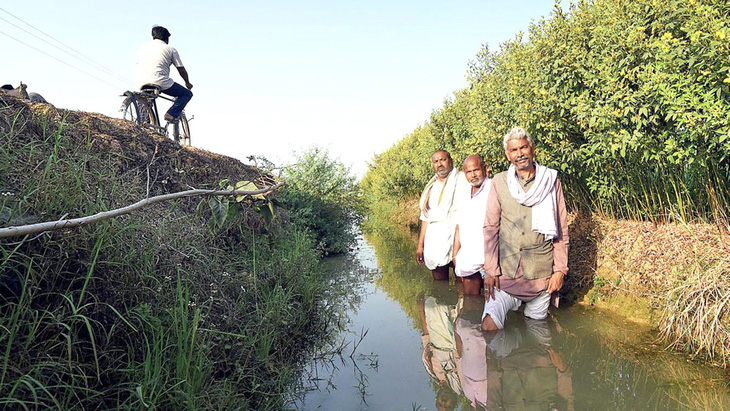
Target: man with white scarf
<point x="438" y="206"/>
<point x="525" y="235"/>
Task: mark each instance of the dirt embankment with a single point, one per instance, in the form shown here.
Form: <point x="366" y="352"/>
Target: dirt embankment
<point x="102" y="306"/>
<point x="170" y="167"/>
<point x="676" y="277"/>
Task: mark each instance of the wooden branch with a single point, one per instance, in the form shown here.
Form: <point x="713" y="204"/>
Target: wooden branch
<point x="105" y="215"/>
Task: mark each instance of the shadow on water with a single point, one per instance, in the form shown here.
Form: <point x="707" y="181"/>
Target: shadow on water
<point x="409" y="343"/>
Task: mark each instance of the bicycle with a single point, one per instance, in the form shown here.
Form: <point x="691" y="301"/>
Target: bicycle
<point x="140" y="107"/>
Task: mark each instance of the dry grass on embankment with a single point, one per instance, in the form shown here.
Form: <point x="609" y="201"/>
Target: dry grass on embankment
<point x="676" y="277"/>
<point x="133" y="150"/>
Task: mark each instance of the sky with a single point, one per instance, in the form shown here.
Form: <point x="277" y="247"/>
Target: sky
<point x="270" y="78"/>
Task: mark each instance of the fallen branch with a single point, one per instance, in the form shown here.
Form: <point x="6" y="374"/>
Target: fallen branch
<point x="105" y="215"/>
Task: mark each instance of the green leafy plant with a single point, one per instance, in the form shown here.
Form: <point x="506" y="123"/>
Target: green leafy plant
<point x="322" y="195"/>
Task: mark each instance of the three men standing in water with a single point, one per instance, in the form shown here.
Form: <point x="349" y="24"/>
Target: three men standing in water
<point x="525" y="231"/>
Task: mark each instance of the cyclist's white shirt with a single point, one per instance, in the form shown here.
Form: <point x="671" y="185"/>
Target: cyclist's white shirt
<point x="153" y="64"/>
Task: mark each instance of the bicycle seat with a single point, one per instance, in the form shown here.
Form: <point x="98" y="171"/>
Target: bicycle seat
<point x="151" y="88"/>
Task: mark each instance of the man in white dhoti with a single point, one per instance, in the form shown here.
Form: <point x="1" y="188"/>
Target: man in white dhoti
<point x="438" y="206"/>
<point x="468" y="248"/>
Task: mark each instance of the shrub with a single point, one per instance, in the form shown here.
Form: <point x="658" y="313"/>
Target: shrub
<point x="322" y="195"/>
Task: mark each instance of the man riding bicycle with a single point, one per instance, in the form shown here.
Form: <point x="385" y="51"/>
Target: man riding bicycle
<point x="153" y="68"/>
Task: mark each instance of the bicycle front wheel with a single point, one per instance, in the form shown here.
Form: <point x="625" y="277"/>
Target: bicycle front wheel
<point x="183" y="131"/>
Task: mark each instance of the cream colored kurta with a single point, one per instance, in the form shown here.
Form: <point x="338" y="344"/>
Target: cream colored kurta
<point x="438" y="207"/>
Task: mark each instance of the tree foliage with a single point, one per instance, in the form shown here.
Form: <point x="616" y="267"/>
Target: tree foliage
<point x="628" y="99"/>
<point x="322" y="195"/>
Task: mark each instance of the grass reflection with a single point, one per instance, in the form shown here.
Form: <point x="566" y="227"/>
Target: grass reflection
<point x="400" y="277"/>
<point x="622" y="367"/>
<point x="347" y="279"/>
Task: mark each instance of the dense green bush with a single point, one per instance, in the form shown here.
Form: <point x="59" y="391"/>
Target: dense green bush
<point x="321" y="194"/>
<point x="628" y="99"/>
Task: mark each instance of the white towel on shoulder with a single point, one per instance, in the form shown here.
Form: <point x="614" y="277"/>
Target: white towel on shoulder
<point x="444" y="208"/>
<point x="540" y="197"/>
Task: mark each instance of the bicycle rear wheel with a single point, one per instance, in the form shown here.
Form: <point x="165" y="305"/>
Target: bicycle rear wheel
<point x="136" y="110"/>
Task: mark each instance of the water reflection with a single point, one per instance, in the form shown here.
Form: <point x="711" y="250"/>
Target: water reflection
<point x="526" y="370"/>
<point x="578" y="358"/>
<point x="519" y="367"/>
<point x="439" y="312"/>
<point x="472" y="350"/>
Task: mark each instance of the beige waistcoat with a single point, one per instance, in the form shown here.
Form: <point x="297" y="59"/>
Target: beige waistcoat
<point x="517" y="241"/>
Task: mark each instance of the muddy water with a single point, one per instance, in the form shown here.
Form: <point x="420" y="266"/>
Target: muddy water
<point x="578" y="359"/>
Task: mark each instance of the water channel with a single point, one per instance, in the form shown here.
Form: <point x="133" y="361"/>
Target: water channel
<point x="579" y="359"/>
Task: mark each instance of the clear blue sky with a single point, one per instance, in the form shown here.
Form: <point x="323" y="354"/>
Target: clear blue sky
<point x="270" y="77"/>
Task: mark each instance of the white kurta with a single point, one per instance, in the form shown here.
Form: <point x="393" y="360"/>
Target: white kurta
<point x="470" y="219"/>
<point x="438" y="206"/>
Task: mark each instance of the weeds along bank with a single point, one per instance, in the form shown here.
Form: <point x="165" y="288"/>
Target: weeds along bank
<point x="630" y="102"/>
<point x="167" y="308"/>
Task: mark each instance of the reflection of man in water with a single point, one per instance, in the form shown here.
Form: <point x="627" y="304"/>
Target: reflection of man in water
<point x="471" y="349"/>
<point x="469" y="235"/>
<point x="438" y="314"/>
<point x="525" y="371"/>
<point x="525" y="235"/>
<point x="438" y="206"/>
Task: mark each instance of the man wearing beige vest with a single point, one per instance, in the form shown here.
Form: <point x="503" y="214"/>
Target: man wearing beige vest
<point x="525" y="235"/>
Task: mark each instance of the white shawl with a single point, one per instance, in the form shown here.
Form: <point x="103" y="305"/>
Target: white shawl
<point x="541" y="198"/>
<point x="444" y="210"/>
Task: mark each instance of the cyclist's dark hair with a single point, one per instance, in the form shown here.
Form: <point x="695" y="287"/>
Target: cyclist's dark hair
<point x="160" y="33"/>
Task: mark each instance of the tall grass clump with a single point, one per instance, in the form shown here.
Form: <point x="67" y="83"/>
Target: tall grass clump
<point x="161" y="309"/>
<point x="696" y="314"/>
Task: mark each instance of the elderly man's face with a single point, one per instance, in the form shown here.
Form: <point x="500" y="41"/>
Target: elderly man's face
<point x="442" y="164"/>
<point x="474" y="171"/>
<point x="520" y="153"/>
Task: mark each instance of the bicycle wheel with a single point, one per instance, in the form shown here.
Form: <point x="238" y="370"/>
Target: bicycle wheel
<point x="183" y="131"/>
<point x="136" y="110"/>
